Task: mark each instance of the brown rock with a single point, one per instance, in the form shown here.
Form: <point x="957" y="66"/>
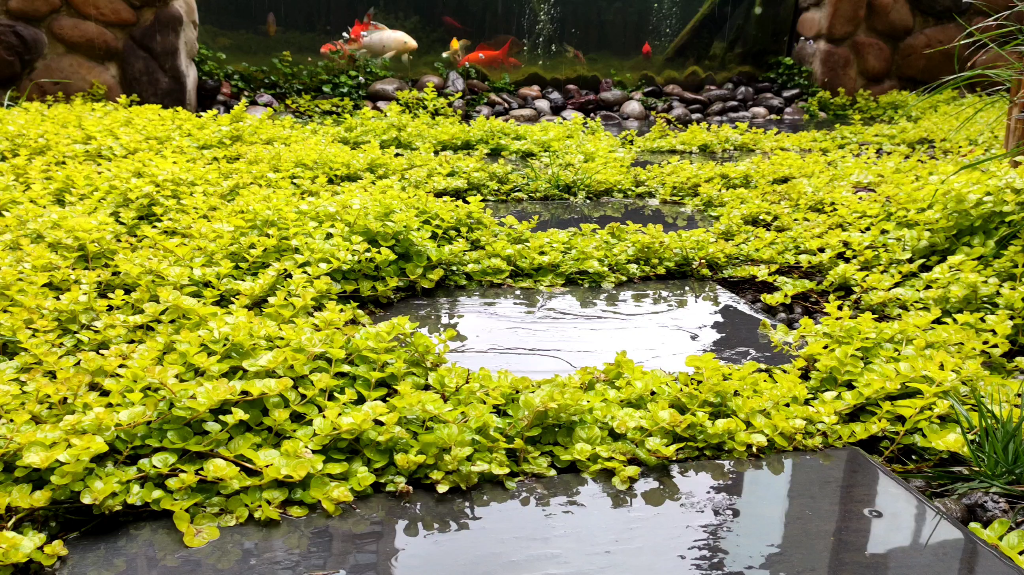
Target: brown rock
<point x="21" y="46"/>
<point x="85" y="37"/>
<point x="32" y="9"/>
<point x="113" y="12"/>
<point x="809" y="25"/>
<point x="882" y="87"/>
<point x="804" y="52"/>
<point x="990" y="59"/>
<point x="430" y="80"/>
<point x="929" y="55"/>
<point x="835" y="68"/>
<point x="157" y="60"/>
<point x="874" y="58"/>
<point x="843" y="18"/>
<point x="892" y="18"/>
<point x="78" y="73"/>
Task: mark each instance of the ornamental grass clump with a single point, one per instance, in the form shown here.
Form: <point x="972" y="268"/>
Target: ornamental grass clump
<point x="186" y="304"/>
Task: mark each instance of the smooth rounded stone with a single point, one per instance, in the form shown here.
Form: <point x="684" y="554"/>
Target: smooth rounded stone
<point x="794" y="325"/>
<point x="85" y="37"/>
<point x="930" y="54"/>
<point x="585" y="104"/>
<point x="571" y="92"/>
<point x="21" y="46"/>
<point x="430" y="80"/>
<point x="79" y="73"/>
<point x="799" y="309"/>
<point x="258" y="111"/>
<point x="680" y="116"/>
<point x="719" y="95"/>
<point x="716" y="109"/>
<point x="770" y="102"/>
<point x="383" y="105"/>
<point x="759" y="113"/>
<point x="32" y="9"/>
<point x="512" y="101"/>
<point x="676" y="104"/>
<point x="986" y="507"/>
<point x="608" y="118"/>
<point x="493" y="100"/>
<point x="454" y="83"/>
<point x="500" y="111"/>
<point x="796" y="316"/>
<point x="674" y="91"/>
<point x="791" y="95"/>
<point x="761" y="306"/>
<point x="524" y="115"/>
<point x="532" y="92"/>
<point x="794" y="113"/>
<point x="698" y="118"/>
<point x="550" y="119"/>
<point x="953" y="509"/>
<point x="652" y="92"/>
<point x="763" y="87"/>
<point x="637" y="95"/>
<point x="695" y="109"/>
<point x="728" y="86"/>
<point x="208" y="88"/>
<point x="460" y="107"/>
<point x="836" y="68"/>
<point x="477" y="87"/>
<point x="570" y="114"/>
<point x="542" y="106"/>
<point x="732" y="107"/>
<point x="612" y="98"/>
<point x="739" y="116"/>
<point x="634" y="110"/>
<point x="782" y="318"/>
<point x="558" y="103"/>
<point x="895" y="18"/>
<point x="266" y="100"/>
<point x="483" y="112"/>
<point x="745" y="94"/>
<point x="221" y="109"/>
<point x="113" y="12"/>
<point x="664" y="108"/>
<point x="818" y="317"/>
<point x="386" y="90"/>
<point x="738" y="81"/>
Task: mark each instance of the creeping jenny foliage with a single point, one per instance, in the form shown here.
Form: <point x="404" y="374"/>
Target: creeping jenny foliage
<point x="184" y="303"/>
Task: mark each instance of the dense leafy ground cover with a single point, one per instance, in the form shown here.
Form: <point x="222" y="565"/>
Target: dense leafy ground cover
<point x="183" y="303"/>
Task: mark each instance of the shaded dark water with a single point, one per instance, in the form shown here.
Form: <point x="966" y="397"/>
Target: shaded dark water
<point x="566" y="215"/>
<point x="540" y="333"/>
<point x="829" y="513"/>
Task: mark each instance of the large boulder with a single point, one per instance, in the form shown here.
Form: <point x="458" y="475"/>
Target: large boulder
<point x="113" y="12"/>
<point x="85" y="37"/>
<point x="32" y="9"/>
<point x="941" y="8"/>
<point x="76" y="75"/>
<point x="891" y="18"/>
<point x="843" y="18"/>
<point x="835" y="68"/>
<point x="929" y="55"/>
<point x="810" y="24"/>
<point x="21" y="46"/>
<point x="874" y="58"/>
<point x="157" y="62"/>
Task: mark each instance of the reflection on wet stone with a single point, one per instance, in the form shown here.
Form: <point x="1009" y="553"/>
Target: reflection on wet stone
<point x="789" y="514"/>
<point x="567" y="215"/>
<point x="540" y="333"/>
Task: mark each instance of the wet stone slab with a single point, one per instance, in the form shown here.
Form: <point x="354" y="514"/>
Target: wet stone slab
<point x="557" y="215"/>
<point x="829" y="513"/>
<point x="540" y="333"/>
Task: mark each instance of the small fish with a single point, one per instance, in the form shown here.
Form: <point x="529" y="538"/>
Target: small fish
<point x="456" y="49"/>
<point x="647" y="51"/>
<point x="574" y="53"/>
<point x="271" y="25"/>
<point x="514" y="64"/>
<point x="453" y="26"/>
<point x="487" y="58"/>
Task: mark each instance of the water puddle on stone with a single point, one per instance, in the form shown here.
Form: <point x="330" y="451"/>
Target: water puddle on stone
<point x="541" y="333"/>
<point x="830" y="513"/>
<point x="557" y="215"/>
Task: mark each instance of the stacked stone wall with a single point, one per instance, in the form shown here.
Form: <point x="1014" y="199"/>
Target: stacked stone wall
<point x="141" y="47"/>
<point x="883" y="45"/>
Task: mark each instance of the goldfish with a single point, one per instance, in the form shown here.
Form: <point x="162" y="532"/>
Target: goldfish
<point x="358" y="29"/>
<point x="453" y="26"/>
<point x="387" y="44"/>
<point x="647" y="51"/>
<point x="456" y="49"/>
<point x="574" y="53"/>
<point x="515" y="45"/>
<point x="487" y="58"/>
<point x="271" y="25"/>
<point x="514" y="64"/>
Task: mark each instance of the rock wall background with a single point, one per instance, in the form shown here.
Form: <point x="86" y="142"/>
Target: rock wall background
<point x="883" y="45"/>
<point x="142" y="47"/>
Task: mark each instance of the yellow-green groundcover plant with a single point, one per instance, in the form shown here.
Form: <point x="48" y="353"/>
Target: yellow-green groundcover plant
<point x="186" y="303"/>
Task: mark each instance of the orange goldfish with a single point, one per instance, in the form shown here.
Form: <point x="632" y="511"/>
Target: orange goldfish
<point x="574" y="53"/>
<point x="271" y="25"/>
<point x="487" y="58"/>
<point x="360" y="28"/>
<point x="647" y="51"/>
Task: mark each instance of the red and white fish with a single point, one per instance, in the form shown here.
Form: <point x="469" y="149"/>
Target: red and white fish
<point x="647" y="51"/>
<point x="353" y="40"/>
<point x="488" y="58"/>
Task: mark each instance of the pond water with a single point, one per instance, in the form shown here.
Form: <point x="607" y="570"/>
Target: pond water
<point x="566" y="215"/>
<point x="829" y="513"/>
<point x="541" y="333"/>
